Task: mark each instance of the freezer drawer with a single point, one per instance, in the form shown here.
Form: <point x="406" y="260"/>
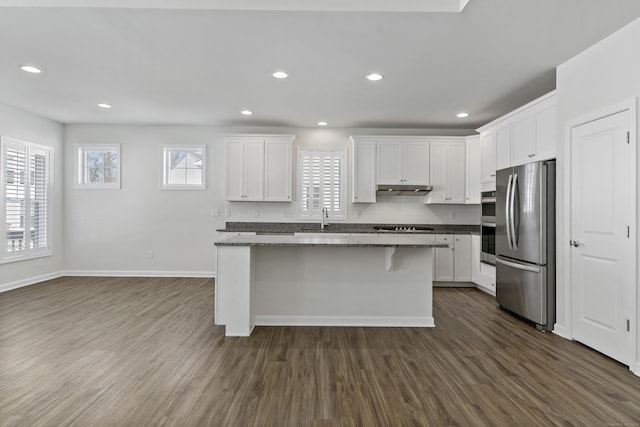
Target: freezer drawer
<point x="524" y="289"/>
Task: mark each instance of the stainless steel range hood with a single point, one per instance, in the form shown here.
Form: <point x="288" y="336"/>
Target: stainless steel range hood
<point x="404" y="190"/>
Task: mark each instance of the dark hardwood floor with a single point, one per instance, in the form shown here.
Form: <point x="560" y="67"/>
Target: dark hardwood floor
<point x="145" y="352"/>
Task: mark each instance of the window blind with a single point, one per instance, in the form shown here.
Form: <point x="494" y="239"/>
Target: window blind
<point x="25" y="199"/>
<point x="322" y="182"/>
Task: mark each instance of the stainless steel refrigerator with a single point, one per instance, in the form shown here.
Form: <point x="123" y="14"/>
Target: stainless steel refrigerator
<point x="525" y="241"/>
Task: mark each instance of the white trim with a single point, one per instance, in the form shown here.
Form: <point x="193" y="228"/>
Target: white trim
<point x="373" y="321"/>
<point x="137" y="273"/>
<point x="80" y="167"/>
<point x="164" y="184"/>
<point x="30" y="281"/>
<point x="561" y="331"/>
<point x="95" y="273"/>
<point x="630" y="105"/>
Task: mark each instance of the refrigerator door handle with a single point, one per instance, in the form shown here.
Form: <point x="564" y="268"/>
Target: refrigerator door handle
<point x="518" y="266"/>
<point x="514" y="232"/>
<point x="506" y="212"/>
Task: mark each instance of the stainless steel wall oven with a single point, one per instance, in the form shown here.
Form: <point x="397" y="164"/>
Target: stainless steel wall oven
<point x="488" y="227"/>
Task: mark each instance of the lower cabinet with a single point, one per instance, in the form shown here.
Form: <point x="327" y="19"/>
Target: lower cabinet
<point x="475" y="258"/>
<point x="487" y="278"/>
<point x="453" y="264"/>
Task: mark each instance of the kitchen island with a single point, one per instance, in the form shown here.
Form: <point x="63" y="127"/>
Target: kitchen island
<point x="292" y="280"/>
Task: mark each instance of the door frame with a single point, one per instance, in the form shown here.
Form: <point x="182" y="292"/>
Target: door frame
<point x="566" y="330"/>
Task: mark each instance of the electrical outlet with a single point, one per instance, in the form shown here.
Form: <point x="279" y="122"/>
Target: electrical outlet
<point x="452" y="215"/>
<point x="149" y="253"/>
<point x="256" y="212"/>
<point x="227" y="212"/>
<point x="215" y="212"/>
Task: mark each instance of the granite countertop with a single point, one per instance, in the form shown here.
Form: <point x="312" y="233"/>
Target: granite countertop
<point x="363" y="240"/>
<point x="314" y="227"/>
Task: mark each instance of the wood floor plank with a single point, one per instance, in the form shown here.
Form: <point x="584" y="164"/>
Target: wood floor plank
<point x="81" y="351"/>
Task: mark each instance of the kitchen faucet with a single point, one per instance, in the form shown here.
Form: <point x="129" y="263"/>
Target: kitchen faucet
<point x="324" y="214"/>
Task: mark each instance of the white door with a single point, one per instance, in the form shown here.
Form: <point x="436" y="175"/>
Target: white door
<point x="444" y="259"/>
<point x="602" y="265"/>
<point x="456" y="173"/>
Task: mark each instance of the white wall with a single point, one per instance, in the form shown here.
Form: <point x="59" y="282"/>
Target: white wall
<point x="29" y="127"/>
<point x="603" y="75"/>
<point x="112" y="230"/>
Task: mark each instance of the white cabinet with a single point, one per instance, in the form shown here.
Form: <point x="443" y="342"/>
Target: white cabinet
<point x="444" y="259"/>
<point x="487" y="278"/>
<point x="277" y="169"/>
<point x="447" y="172"/>
<point x="534" y="132"/>
<point x="503" y="145"/>
<point x="525" y="135"/>
<point x="475" y="258"/>
<point x="402" y="161"/>
<point x="245" y="167"/>
<point x="363" y="170"/>
<point x="453" y="263"/>
<point x="488" y="142"/>
<point x="258" y="168"/>
<point x="473" y="169"/>
<point x="462" y="258"/>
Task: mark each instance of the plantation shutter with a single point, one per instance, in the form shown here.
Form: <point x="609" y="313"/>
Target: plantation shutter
<point x="14" y="194"/>
<point x="25" y="200"/>
<point x="39" y="197"/>
<point x="322" y="182"/>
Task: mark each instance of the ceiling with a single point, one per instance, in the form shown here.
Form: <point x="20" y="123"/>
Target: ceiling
<point x="206" y="64"/>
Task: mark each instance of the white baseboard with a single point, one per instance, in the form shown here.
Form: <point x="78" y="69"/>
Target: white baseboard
<point x="561" y="331"/>
<point x="345" y="321"/>
<point x="107" y="273"/>
<point x="135" y="273"/>
<point x="486" y="290"/>
<point x="30" y="281"/>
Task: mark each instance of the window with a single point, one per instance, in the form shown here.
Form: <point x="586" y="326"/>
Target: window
<point x="183" y="168"/>
<point x="25" y="200"/>
<point x="98" y="166"/>
<point x="321" y="183"/>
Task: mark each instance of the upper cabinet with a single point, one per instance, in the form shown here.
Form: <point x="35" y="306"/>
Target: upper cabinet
<point x="402" y="161"/>
<point x="534" y="133"/>
<point x="447" y="164"/>
<point x="363" y="170"/>
<point x="473" y="166"/>
<point x="259" y="167"/>
<point x="525" y="135"/>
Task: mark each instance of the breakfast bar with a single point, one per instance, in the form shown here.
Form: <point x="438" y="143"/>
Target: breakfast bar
<point x="293" y="280"/>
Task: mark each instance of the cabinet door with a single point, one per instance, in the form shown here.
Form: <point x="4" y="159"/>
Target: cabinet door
<point x="456" y="173"/>
<point x="523" y="145"/>
<point x="234" y="187"/>
<point x="438" y="173"/>
<point x="254" y="169"/>
<point x="416" y="163"/>
<point x="488" y="156"/>
<point x="277" y="170"/>
<point x="545" y="118"/>
<point x="389" y="161"/>
<point x="462" y="258"/>
<point x="503" y="146"/>
<point x="475" y="258"/>
<point x="364" y="172"/>
<point x="444" y="259"/>
<point x="473" y="170"/>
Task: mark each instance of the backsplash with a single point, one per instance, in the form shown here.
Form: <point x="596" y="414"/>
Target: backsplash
<point x="388" y="209"/>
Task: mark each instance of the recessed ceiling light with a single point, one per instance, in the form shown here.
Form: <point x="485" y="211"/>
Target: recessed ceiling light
<point x="280" y="75"/>
<point x="103" y="105"/>
<point x="462" y="115"/>
<point x="246" y="112"/>
<point x="322" y="123"/>
<point x="30" y="69"/>
<point x="374" y="77"/>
